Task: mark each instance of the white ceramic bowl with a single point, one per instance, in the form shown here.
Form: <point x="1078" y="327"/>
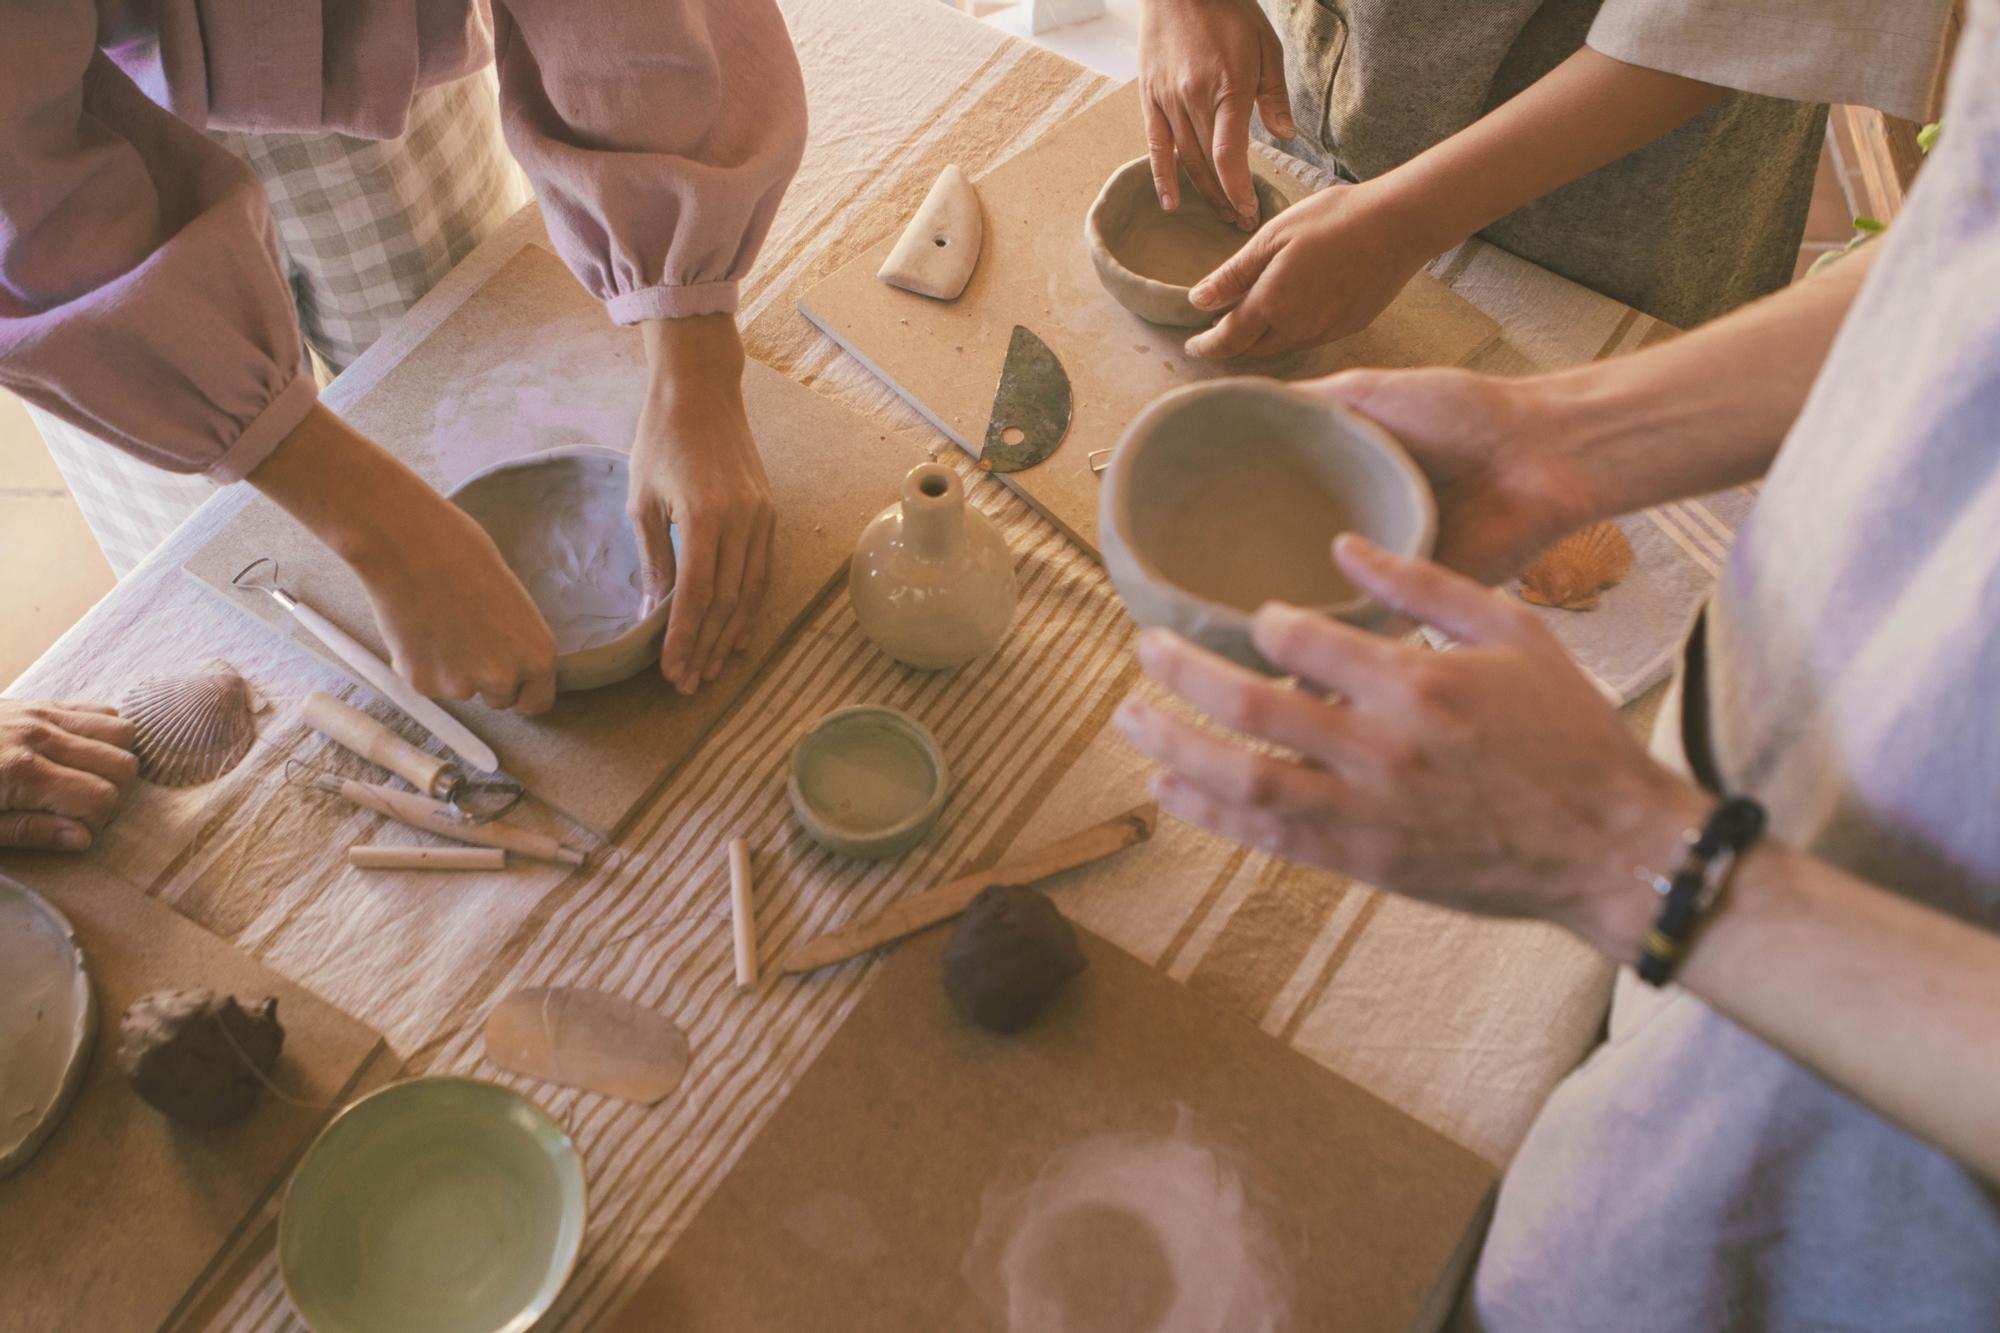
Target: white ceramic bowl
<point x="1226" y="495"/>
<point x="556" y="516"/>
<point x="1148" y="258"/>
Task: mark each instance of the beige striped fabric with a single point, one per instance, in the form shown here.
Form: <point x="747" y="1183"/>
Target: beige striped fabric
<point x="1466" y="1024"/>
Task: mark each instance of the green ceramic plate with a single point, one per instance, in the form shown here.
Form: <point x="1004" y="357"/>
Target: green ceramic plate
<point x="446" y="1204"/>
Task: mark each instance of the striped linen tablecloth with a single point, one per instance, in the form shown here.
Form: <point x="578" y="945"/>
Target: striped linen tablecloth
<point x="1466" y="1024"/>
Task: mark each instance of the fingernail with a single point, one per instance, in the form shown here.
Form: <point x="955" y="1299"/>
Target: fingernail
<point x="1357" y="547"/>
<point x="713" y="670"/>
<point x="1150" y="643"/>
<point x="1200" y="296"/>
<point x="1126" y="718"/>
<point x="1166" y="202"/>
<point x="1277" y="614"/>
<point x="71" y="838"/>
<point x="1284" y="129"/>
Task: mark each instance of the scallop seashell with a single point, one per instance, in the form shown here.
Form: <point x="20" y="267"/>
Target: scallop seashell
<point x="193" y="728"/>
<point x="1571" y="573"/>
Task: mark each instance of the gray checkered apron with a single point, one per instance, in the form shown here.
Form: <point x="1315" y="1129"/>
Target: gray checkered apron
<point x="366" y="227"/>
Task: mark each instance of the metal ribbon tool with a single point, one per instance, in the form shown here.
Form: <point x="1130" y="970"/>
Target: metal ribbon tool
<point x="476" y="799"/>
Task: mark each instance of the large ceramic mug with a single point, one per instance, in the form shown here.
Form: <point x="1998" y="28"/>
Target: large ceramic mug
<point x="1226" y="495"/>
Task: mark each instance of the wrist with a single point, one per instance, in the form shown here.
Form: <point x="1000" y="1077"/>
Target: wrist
<point x="1615" y="904"/>
<point x="697" y="359"/>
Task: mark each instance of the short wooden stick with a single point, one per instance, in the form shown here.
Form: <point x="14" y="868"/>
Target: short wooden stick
<point x="377" y="857"/>
<point x="740" y="913"/>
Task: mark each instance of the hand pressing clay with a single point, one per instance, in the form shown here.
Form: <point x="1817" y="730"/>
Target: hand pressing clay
<point x="200" y="1057"/>
<point x="1009" y="954"/>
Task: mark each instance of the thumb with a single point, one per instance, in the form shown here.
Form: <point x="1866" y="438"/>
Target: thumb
<point x="656" y="551"/>
<point x="34" y="831"/>
<point x="1236" y="275"/>
<point x="1423" y="590"/>
<point x="1274" y="101"/>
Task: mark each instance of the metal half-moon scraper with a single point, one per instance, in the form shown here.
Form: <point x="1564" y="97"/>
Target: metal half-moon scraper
<point x="1030" y="408"/>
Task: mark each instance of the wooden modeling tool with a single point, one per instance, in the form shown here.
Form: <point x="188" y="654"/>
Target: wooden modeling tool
<point x="366" y="856"/>
<point x="948" y="900"/>
<point x="376" y="672"/>
<point x="433" y="816"/>
<point x="742" y="919"/>
<point x="431" y="774"/>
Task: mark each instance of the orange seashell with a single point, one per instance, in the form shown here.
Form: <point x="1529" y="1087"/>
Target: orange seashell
<point x="1571" y="573"/>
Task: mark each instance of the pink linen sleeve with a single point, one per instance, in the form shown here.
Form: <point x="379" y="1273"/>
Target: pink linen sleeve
<point x="659" y="135"/>
<point x="141" y="295"/>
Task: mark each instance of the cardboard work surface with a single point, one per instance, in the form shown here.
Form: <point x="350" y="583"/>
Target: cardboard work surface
<point x="1034" y="270"/>
<point x="1139" y="1159"/>
<point x="472" y="394"/>
<point x="123" y="1211"/>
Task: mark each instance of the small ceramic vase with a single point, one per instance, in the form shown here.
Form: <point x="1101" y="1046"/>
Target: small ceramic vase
<point x="931" y="580"/>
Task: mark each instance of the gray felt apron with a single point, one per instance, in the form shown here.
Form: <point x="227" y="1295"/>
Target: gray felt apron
<point x="1686" y="228"/>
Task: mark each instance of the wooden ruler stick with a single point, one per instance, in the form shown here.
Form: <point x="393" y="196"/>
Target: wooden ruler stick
<point x="947" y="900"/>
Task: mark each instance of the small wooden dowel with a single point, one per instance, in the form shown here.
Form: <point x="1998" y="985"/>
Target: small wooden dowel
<point x="741" y="916"/>
<point x="379" y="857"/>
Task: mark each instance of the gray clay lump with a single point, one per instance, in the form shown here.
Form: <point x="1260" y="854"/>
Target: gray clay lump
<point x="1007" y="957"/>
<point x="200" y="1057"/>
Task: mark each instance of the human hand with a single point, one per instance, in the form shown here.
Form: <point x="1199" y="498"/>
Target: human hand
<point x="1499" y="454"/>
<point x="695" y="465"/>
<point x="1320" y="270"/>
<point x="1490" y="779"/>
<point x="457" y="621"/>
<point x="1202" y="65"/>
<point x="63" y="768"/>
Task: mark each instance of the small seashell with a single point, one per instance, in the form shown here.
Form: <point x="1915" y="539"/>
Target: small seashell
<point x="1571" y="573"/>
<point x="193" y="728"/>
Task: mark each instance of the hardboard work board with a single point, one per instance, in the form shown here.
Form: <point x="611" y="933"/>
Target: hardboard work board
<point x="1140" y="1159"/>
<point x="528" y="363"/>
<point x="121" y="1213"/>
<point x="1034" y="270"/>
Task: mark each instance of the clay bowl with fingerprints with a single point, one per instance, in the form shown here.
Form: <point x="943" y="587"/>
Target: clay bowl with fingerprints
<point x="1226" y="495"/>
<point x="559" y="520"/>
<point x="1148" y="258"/>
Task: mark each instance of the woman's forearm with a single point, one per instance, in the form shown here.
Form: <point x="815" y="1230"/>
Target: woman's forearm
<point x="1703" y="411"/>
<point x="1888" y="1000"/>
<point x="1587" y="112"/>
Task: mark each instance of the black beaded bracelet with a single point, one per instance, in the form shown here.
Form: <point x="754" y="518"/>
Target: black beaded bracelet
<point x="1692" y="889"/>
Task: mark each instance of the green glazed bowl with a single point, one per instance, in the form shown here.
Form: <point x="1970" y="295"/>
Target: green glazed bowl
<point x="447" y="1204"/>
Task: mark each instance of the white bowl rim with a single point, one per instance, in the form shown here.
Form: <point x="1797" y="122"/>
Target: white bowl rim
<point x="1118" y="483"/>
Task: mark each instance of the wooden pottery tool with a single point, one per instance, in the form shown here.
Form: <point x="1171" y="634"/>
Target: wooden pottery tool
<point x="1030" y="407"/>
<point x="369" y="856"/>
<point x="375" y="671"/>
<point x="433" y="775"/>
<point x="433" y="816"/>
<point x="948" y="900"/>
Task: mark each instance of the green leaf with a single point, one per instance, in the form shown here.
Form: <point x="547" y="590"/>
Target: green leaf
<point x="1869" y="225"/>
<point x="1927" y="137"/>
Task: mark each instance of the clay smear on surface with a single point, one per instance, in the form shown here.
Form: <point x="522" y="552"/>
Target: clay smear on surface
<point x="561" y="526"/>
<point x="1141" y="1232"/>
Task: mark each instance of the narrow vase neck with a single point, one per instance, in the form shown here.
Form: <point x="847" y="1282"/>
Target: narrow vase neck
<point x="933" y="512"/>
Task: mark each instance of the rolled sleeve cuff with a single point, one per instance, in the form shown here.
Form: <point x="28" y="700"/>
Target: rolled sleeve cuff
<point x="278" y="419"/>
<point x="673" y="302"/>
<point x="1774" y="49"/>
